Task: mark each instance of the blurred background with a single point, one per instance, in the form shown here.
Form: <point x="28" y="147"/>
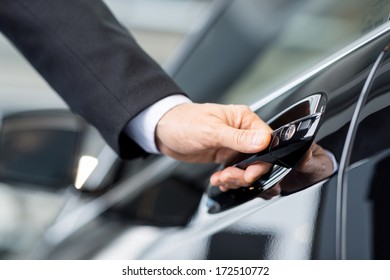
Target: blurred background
<point x="159" y="26"/>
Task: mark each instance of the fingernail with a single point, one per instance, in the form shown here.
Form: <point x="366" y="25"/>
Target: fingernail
<point x="257" y="139"/>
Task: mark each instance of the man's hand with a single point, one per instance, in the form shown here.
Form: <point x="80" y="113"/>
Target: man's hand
<point x="212" y="133"/>
<point x="315" y="166"/>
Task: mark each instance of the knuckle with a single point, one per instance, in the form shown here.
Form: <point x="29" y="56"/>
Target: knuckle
<point x="244" y="109"/>
<point x="225" y="177"/>
<point x="238" y="137"/>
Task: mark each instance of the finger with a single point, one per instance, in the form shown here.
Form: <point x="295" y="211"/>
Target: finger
<point x="232" y="177"/>
<point x="214" y="179"/>
<point x="255" y="171"/>
<point x="242" y="140"/>
<point x="228" y="178"/>
<point x="243" y="117"/>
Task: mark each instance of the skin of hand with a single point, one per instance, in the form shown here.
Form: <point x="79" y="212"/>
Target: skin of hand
<point x="208" y="132"/>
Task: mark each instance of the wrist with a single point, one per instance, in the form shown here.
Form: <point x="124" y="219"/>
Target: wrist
<point x="142" y="128"/>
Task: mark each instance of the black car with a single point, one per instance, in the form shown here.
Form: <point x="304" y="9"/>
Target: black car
<point x="317" y="72"/>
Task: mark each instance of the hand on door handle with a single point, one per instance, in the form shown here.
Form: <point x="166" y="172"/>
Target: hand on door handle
<point x="316" y="165"/>
<point x="288" y="145"/>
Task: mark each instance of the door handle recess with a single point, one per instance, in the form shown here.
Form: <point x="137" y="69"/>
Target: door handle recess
<point x="289" y="143"/>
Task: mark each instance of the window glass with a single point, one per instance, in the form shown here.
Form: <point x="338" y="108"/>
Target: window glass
<point x="312" y="32"/>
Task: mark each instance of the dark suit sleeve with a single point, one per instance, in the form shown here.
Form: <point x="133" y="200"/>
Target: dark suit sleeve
<point x="90" y="60"/>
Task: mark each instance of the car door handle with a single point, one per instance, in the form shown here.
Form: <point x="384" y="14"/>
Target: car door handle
<point x="289" y="143"/>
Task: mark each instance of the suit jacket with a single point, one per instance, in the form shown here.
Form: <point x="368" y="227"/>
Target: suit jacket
<point x="90" y="60"/>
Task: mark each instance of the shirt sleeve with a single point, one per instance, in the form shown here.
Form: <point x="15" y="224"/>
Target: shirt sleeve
<point x="90" y="60"/>
<point x="142" y="128"/>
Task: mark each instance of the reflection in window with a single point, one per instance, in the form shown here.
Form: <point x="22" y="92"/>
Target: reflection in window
<point x="315" y="30"/>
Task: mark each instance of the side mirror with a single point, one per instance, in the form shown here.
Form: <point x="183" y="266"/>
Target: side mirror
<point x="40" y="148"/>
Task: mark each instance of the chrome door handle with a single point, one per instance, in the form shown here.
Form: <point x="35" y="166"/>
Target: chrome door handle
<point x="289" y="144"/>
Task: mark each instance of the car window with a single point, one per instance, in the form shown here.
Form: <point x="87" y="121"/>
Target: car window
<point x="312" y="32"/>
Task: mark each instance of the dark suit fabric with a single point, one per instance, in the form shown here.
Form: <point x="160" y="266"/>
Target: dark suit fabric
<point x="90" y="60"/>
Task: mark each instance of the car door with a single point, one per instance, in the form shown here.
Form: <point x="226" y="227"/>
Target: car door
<point x="310" y="220"/>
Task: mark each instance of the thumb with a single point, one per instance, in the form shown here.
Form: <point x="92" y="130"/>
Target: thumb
<point x="243" y="140"/>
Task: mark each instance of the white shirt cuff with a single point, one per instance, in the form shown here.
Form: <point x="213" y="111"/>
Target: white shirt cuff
<point x="142" y="128"/>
